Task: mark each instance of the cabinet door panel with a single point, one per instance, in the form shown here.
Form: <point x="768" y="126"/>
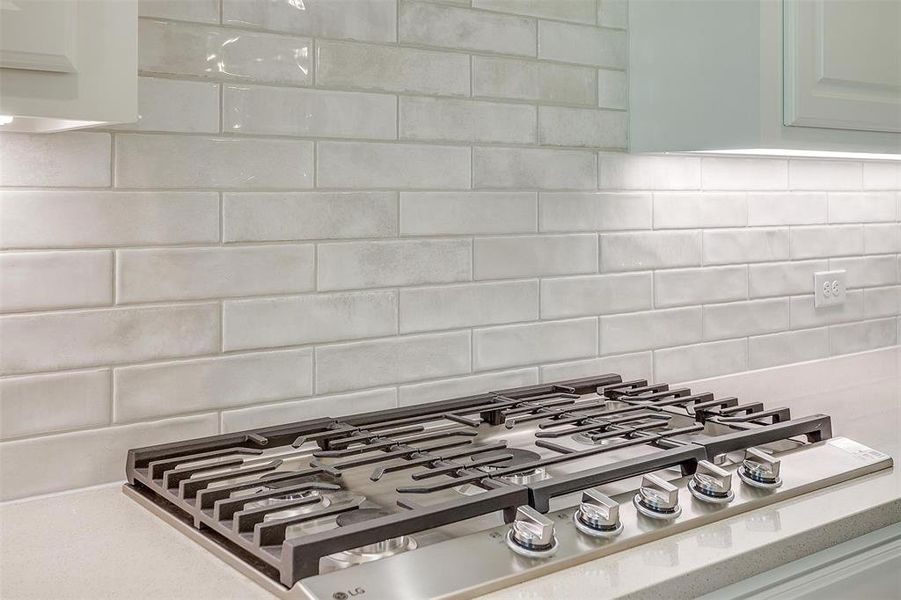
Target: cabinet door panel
<point x="842" y="64"/>
<point x="39" y="35"/>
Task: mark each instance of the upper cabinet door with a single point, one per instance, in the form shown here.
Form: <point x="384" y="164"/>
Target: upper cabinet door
<point x="842" y="64"/>
<point x="39" y="36"/>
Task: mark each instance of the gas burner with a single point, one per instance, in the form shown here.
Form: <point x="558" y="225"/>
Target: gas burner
<point x="369" y="552"/>
<point x="519" y="457"/>
<point x="361" y="515"/>
<point x="293" y="511"/>
<point x="590" y="440"/>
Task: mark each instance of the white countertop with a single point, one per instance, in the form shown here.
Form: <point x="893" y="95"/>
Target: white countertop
<point x="97" y="543"/>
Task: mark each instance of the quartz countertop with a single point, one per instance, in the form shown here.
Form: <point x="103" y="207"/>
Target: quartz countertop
<point x="97" y="543"/>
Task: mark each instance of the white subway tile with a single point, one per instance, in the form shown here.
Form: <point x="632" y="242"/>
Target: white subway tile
<point x="64" y="219"/>
<point x="46" y="280"/>
<point x="439" y="213"/>
<point x="46" y="403"/>
<point x="202" y="11"/>
<point x="881" y="175"/>
<point x="559" y="126"/>
<point x="71" y="460"/>
<point x="393" y="69"/>
<point x="649" y="330"/>
<point x="583" y="45"/>
<point x="882" y="302"/>
<point x="153" y="391"/>
<point x="350" y="265"/>
<point x="310" y="113"/>
<point x="882" y="238"/>
<point x="594" y="211"/>
<point x="391" y="361"/>
<point x="724" y="246"/>
<point x="630" y="366"/>
<point x="176" y="106"/>
<point x="804" y="314"/>
<point x="816" y="242"/>
<point x="533" y="168"/>
<point x="466" y="121"/>
<point x="613" y="13"/>
<point x="543" y="82"/>
<point x="695" y="286"/>
<point x="644" y="250"/>
<point x="857" y="337"/>
<point x="784" y="278"/>
<point x="372" y="20"/>
<point x="72" y="339"/>
<point x="862" y="207"/>
<point x="468" y="305"/>
<point x="280" y="413"/>
<point x="197" y="273"/>
<point x="446" y="389"/>
<point x="690" y="210"/>
<point x="700" y="361"/>
<point x="74" y="159"/>
<point x="170" y="161"/>
<point x="805" y="174"/>
<point x="361" y="165"/>
<point x="866" y="271"/>
<point x="221" y="53"/>
<point x="739" y="319"/>
<point x="451" y="27"/>
<point x="549" y="341"/>
<point x="786" y="208"/>
<point x="277" y="216"/>
<point x="536" y="255"/>
<point x="744" y="173"/>
<point x="788" y="347"/>
<point x="613" y="89"/>
<point x="273" y="322"/>
<point x="635" y="172"/>
<point x="595" y="295"/>
<point x="582" y="11"/>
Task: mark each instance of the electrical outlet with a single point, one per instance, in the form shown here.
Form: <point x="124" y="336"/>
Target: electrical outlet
<point x="829" y="288"/>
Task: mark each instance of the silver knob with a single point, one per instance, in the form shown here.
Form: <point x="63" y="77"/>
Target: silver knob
<point x="657" y="498"/>
<point x="532" y="534"/>
<point x="598" y="515"/>
<point x="760" y="469"/>
<point x="712" y="484"/>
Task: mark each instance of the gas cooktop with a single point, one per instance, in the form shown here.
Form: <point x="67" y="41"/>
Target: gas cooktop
<point x="456" y="498"/>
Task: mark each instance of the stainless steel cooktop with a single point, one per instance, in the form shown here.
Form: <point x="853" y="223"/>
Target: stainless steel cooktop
<point x="459" y="497"/>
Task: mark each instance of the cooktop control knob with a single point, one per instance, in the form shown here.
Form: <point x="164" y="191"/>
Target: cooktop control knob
<point x="532" y="534"/>
<point x="657" y="498"/>
<point x="598" y="515"/>
<point x="711" y="484"/>
<point x="760" y="469"/>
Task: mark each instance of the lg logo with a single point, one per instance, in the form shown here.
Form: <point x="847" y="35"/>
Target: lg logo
<point x="345" y="595"/>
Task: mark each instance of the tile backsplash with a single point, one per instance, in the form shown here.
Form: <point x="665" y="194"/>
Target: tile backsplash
<point x="346" y="205"/>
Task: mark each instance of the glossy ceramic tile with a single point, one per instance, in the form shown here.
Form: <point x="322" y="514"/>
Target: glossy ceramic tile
<point x="308" y="319"/>
<point x="221" y="53"/>
<point x="428" y="24"/>
<point x="45" y="219"/>
<point x="47" y="280"/>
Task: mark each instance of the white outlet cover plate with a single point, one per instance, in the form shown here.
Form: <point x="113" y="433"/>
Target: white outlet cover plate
<point x="829" y="288"/>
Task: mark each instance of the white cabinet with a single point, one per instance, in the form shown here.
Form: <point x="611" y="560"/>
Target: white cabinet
<point x="66" y="64"/>
<point x="842" y="62"/>
<point x="802" y="77"/>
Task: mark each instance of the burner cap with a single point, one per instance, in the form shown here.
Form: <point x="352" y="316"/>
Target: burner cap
<point x="352" y="517"/>
<point x="277" y="485"/>
<point x="520" y="457"/>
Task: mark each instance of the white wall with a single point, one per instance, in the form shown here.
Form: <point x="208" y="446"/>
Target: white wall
<point x="305" y="225"/>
